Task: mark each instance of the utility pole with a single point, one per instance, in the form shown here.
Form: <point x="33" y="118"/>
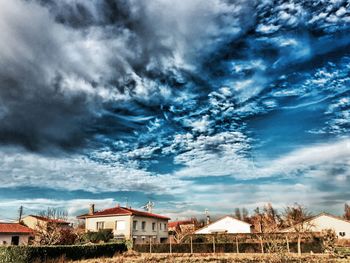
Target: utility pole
<point x="20" y="213"/>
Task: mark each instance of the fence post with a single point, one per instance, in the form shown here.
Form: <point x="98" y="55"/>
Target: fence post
<point x="287" y="244"/>
<point x="191" y="246"/>
<point x="170" y="248"/>
<point x="213" y="244"/>
<point x="262" y="245"/>
<point x="150" y="245"/>
<point x="237" y="248"/>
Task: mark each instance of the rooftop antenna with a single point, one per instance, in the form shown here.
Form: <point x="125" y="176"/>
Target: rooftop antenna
<point x="149" y="206"/>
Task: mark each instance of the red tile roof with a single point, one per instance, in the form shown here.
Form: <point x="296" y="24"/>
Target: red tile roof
<point x="57" y="221"/>
<point x="14" y="228"/>
<point x="178" y="223"/>
<point x="118" y="210"/>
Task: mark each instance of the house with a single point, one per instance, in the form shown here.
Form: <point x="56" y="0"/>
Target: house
<point x="183" y="226"/>
<point x="225" y="224"/>
<point x="325" y="221"/>
<point x="179" y="229"/>
<point x="127" y="223"/>
<point x="34" y="221"/>
<point x="14" y="234"/>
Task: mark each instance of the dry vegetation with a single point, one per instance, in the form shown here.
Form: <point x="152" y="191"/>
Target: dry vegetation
<point x="217" y="258"/>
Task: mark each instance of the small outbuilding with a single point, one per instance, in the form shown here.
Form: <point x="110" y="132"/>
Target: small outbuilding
<point x="14" y="234"/>
<point x="227" y="225"/>
<point x="325" y="221"/>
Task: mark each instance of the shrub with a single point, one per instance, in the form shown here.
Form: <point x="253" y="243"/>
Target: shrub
<point x="102" y="235"/>
<point x="329" y="239"/>
<point x="67" y="237"/>
<point x="27" y="254"/>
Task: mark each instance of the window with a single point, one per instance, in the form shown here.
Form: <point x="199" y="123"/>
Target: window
<point x="100" y="225"/>
<point x="153" y="226"/>
<point x="160" y="226"/>
<point x="342" y="234"/>
<point x="143" y="225"/>
<point x="134" y="225"/>
<point x="165" y="227"/>
<point x="120" y="225"/>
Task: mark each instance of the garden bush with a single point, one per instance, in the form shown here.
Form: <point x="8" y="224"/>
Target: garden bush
<point x="28" y="254"/>
<point x="102" y="235"/>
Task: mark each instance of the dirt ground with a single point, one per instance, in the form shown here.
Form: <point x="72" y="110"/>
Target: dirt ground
<point x="217" y="258"/>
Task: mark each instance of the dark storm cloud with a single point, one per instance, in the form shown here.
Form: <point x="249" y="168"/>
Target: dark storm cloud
<point x="39" y="103"/>
<point x="72" y="71"/>
<point x="65" y="64"/>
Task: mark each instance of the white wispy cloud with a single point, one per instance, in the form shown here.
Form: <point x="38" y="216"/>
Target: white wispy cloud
<point x="223" y="155"/>
<point x="217" y="155"/>
<point x="313" y="157"/>
<point x="77" y="172"/>
<point x="72" y="206"/>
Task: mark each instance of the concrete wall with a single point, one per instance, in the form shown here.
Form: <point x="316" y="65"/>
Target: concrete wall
<point x="23" y="239"/>
<point x="160" y="231"/>
<point x="33" y="223"/>
<point x="110" y="223"/>
<point x="327" y="222"/>
<point x="123" y="226"/>
<point x="30" y="222"/>
<point x="226" y="224"/>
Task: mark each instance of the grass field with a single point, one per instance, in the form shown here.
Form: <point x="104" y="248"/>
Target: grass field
<point x="217" y="258"/>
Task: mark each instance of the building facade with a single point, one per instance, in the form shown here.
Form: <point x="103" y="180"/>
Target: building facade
<point x="325" y="221"/>
<point x="34" y="221"/>
<point x="129" y="224"/>
<point x="14" y="234"/>
<point x="227" y="225"/>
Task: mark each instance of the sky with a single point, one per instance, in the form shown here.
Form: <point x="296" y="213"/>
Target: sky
<point x="193" y="105"/>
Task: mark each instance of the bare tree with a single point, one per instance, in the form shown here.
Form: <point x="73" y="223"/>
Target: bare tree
<point x="245" y="214"/>
<point x="48" y="229"/>
<point x="238" y="214"/>
<point x="346" y="212"/>
<point x="296" y="218"/>
<point x="182" y="230"/>
<point x="265" y="221"/>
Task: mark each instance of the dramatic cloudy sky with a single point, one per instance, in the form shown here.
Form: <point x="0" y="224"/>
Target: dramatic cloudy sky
<point x="191" y="104"/>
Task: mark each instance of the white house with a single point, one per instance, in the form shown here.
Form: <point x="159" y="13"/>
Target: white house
<point x="14" y="234"/>
<point x="226" y="224"/>
<point x="127" y="223"/>
<point x="326" y="221"/>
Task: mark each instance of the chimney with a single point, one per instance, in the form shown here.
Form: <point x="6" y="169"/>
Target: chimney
<point x="208" y="220"/>
<point x="92" y="209"/>
<point x="208" y="217"/>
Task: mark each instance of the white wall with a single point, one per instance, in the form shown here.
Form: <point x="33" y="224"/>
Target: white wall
<point x="159" y="232"/>
<point x="328" y="222"/>
<point x="228" y="224"/>
<point x="23" y="239"/>
<point x="110" y="223"/>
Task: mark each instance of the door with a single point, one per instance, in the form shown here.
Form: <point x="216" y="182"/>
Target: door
<point x="15" y="240"/>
